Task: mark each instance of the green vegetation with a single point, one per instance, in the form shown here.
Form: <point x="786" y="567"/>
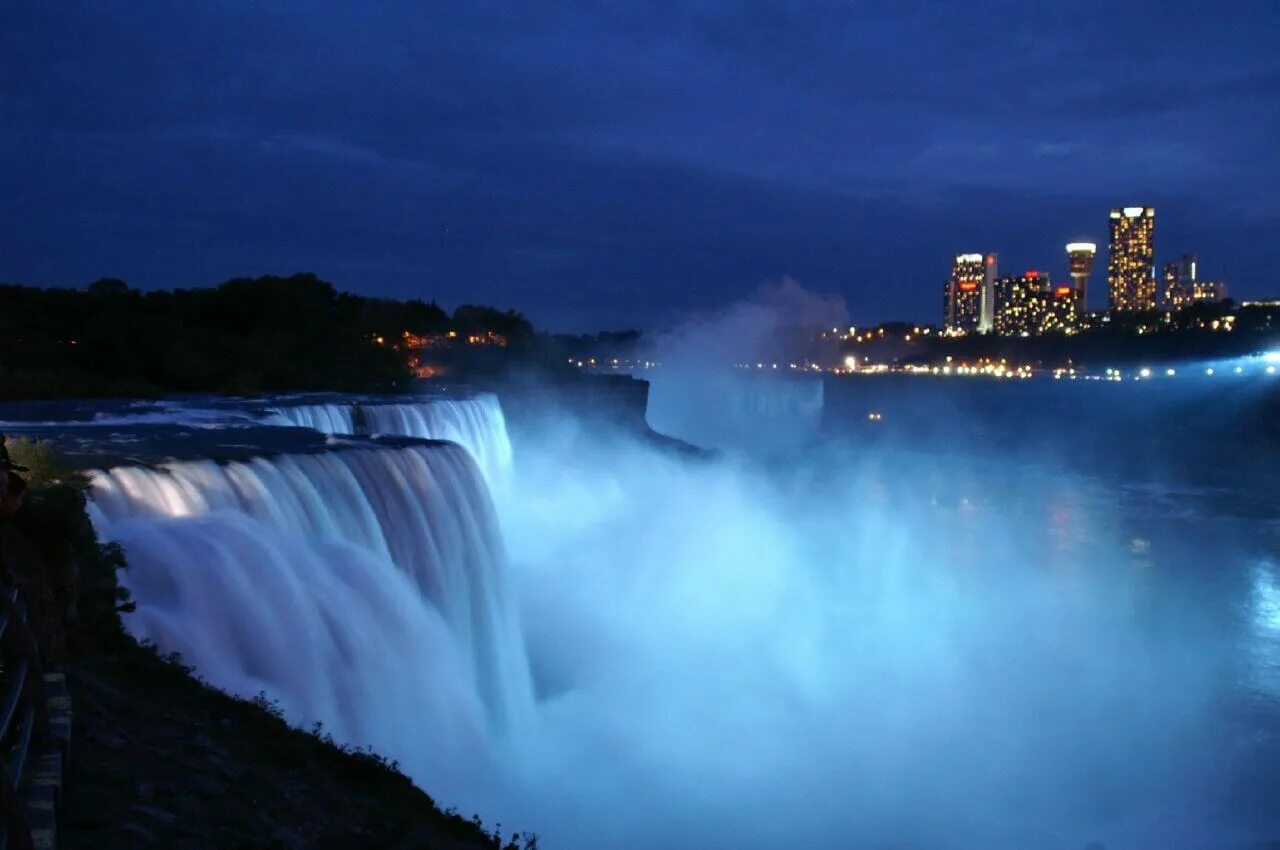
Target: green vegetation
<point x="249" y="335"/>
<point x="47" y="469"/>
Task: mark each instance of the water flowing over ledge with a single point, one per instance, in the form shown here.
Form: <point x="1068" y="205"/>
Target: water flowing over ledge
<point x="365" y="588"/>
<point x="475" y="423"/>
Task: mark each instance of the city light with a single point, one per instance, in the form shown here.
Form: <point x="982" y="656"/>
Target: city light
<point x="1145" y="372"/>
<point x="1271" y="357"/>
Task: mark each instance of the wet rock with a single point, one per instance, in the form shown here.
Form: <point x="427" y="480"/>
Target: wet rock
<point x="110" y="740"/>
<point x="165" y="817"/>
<point x="206" y="786"/>
<point x="139" y="834"/>
<point x="190" y="808"/>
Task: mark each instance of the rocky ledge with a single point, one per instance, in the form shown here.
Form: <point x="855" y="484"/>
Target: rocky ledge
<point x="160" y="760"/>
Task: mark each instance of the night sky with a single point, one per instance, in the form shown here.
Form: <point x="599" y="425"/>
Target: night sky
<point x="608" y="165"/>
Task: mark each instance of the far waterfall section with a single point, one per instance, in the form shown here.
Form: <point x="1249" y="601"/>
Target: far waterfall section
<point x="476" y="423"/>
<point x="757" y="411"/>
<point x="365" y="588"/>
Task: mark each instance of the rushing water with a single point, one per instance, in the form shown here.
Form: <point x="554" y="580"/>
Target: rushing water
<point x="963" y="624"/>
<point x="271" y="575"/>
<point x="476" y="423"/>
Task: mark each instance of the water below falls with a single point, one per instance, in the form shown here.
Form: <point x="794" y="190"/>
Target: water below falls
<point x="831" y="648"/>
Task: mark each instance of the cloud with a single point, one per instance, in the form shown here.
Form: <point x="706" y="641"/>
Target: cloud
<point x="589" y="162"/>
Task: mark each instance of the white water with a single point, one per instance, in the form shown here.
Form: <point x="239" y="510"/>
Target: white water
<point x="325" y="418"/>
<point x="475" y="423"/>
<point x="364" y="588"/>
<point x="881" y="651"/>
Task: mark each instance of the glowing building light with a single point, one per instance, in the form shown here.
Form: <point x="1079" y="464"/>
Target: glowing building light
<point x="1271" y="357"/>
<point x="1144" y="372"/>
<point x="1208" y="371"/>
<point x="1170" y="372"/>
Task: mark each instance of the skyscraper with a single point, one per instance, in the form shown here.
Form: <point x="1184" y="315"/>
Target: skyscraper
<point x="987" y="321"/>
<point x="962" y="312"/>
<point x="1180" y="283"/>
<point x="1021" y="304"/>
<point x="1209" y="290"/>
<point x="1062" y="310"/>
<point x="1131" y="268"/>
<point x="1080" y="262"/>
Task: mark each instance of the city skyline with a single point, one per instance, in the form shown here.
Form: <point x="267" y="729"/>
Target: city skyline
<point x="596" y="167"/>
<point x="1039" y="301"/>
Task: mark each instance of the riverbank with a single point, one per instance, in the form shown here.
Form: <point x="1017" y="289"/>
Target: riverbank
<point x="158" y="758"/>
<point x="161" y="760"/>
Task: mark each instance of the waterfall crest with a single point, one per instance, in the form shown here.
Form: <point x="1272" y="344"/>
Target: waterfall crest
<point x="476" y="423"/>
<point x="327" y="580"/>
<point x="325" y="418"/>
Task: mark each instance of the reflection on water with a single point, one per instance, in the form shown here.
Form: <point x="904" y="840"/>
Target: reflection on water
<point x="1262" y="646"/>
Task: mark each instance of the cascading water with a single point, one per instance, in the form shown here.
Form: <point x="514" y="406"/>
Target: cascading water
<point x="734" y="409"/>
<point x="475" y="423"/>
<point x="325" y="418"/>
<point x="365" y="588"/>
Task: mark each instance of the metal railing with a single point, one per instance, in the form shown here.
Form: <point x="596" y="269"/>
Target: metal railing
<point x="21" y="697"/>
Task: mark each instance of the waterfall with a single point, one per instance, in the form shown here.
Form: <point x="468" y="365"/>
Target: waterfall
<point x="365" y="588"/>
<point x="476" y="423"/>
<point x="735" y="409"/>
<point x="325" y="418"/>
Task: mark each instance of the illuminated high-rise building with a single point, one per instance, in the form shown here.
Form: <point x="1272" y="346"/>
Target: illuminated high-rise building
<point x="1131" y="267"/>
<point x="989" y="274"/>
<point x="962" y="310"/>
<point x="1080" y="261"/>
<point x="1180" y="283"/>
<point x="1062" y="312"/>
<point x="1209" y="290"/>
<point x="1021" y="304"/>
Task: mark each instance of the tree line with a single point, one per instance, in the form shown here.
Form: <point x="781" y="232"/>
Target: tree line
<point x="246" y="336"/>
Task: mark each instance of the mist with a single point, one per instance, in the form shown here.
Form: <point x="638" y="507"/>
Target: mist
<point x="807" y="639"/>
<point x="815" y="630"/>
<point x="729" y="380"/>
<point x="855" y="651"/>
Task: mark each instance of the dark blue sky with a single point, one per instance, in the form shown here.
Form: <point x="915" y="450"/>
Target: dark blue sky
<point x="613" y="164"/>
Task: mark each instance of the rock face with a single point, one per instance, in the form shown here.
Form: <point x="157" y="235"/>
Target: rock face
<point x="160" y="760"/>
